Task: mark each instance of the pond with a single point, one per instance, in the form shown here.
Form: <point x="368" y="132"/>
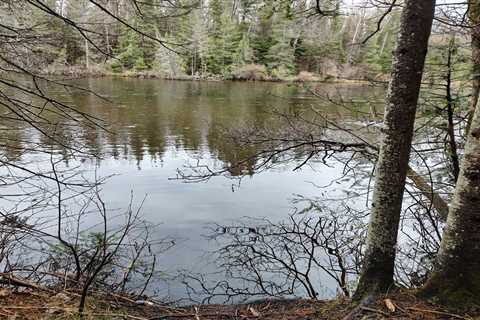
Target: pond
<point x="156" y="127"/>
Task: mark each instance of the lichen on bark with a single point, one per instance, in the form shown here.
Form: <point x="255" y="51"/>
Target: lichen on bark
<point x="456" y="277"/>
<point x="392" y="166"/>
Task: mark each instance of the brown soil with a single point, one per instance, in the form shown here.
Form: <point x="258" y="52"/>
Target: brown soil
<point x="33" y="305"/>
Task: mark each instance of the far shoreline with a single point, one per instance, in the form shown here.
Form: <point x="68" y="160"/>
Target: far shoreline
<point x="78" y="73"/>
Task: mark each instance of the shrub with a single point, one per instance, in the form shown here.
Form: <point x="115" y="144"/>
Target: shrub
<point x="305" y="76"/>
<point x="140" y="64"/>
<point x="253" y="72"/>
<point x="282" y="73"/>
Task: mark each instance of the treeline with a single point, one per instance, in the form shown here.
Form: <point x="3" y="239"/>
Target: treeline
<point x="242" y="39"/>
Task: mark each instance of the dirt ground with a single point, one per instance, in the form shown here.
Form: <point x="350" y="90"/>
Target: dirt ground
<point x="33" y="305"/>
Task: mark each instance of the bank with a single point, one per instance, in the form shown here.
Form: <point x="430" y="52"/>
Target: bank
<point x="248" y="73"/>
<point x="33" y="304"/>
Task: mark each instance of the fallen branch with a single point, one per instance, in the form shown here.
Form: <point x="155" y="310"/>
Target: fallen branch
<point x="12" y="280"/>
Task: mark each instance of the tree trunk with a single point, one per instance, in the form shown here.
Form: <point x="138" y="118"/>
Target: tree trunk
<point x="456" y="277"/>
<point x="401" y="105"/>
<point x="452" y="143"/>
<point x="425" y="187"/>
<point x="474" y="17"/>
<point x="87" y="55"/>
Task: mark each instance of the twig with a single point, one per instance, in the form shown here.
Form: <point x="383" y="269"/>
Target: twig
<point x="374" y="310"/>
<point x="35" y="307"/>
<point x="116" y="315"/>
<point x="438" y="312"/>
<point x="186" y="315"/>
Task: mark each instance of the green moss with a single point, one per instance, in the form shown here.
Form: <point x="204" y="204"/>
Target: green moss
<point x="474" y="11"/>
<point x="451" y="293"/>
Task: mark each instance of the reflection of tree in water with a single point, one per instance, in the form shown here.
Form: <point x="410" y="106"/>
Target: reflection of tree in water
<point x="293" y="257"/>
<point x="187" y="120"/>
<point x="238" y="161"/>
<point x="148" y="117"/>
<point x="12" y="143"/>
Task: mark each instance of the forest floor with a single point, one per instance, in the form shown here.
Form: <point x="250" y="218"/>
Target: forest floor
<point x="33" y="305"/>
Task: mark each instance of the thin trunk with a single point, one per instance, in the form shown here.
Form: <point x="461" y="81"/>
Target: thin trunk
<point x="107" y="38"/>
<point x="425" y="187"/>
<point x="456" y="277"/>
<point x="357" y="28"/>
<point x="401" y="106"/>
<point x="87" y="53"/>
<point x="474" y="16"/>
<point x="354" y="47"/>
<point x="384" y="43"/>
<point x="452" y="143"/>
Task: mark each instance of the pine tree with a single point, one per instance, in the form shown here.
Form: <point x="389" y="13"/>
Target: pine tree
<point x="168" y="62"/>
<point x="137" y="51"/>
<point x="262" y="39"/>
<point x="244" y="53"/>
<point x="379" y="49"/>
<point x="280" y="57"/>
<point x="191" y="32"/>
<point x="224" y="39"/>
<point x="216" y="47"/>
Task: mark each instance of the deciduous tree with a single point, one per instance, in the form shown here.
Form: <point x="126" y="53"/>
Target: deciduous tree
<point x="391" y="171"/>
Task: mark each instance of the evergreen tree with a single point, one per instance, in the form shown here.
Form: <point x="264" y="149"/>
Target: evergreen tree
<point x="244" y="52"/>
<point x="262" y="39"/>
<point x="137" y="51"/>
<point x="191" y="33"/>
<point x="280" y="56"/>
<point x="216" y="47"/>
<point x="168" y="62"/>
<point x="378" y="53"/>
<point x="224" y="38"/>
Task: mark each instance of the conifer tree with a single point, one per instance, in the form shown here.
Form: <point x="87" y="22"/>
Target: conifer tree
<point x="281" y="55"/>
<point x="136" y="51"/>
<point x="262" y="39"/>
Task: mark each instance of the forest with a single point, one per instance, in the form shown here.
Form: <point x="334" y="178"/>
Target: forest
<point x="239" y="159"/>
<point x="246" y="40"/>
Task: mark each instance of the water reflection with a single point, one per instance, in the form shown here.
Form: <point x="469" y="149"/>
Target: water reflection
<point x="145" y="117"/>
<point x="157" y="126"/>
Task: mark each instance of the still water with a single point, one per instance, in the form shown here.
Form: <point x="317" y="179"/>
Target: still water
<point x="156" y="127"/>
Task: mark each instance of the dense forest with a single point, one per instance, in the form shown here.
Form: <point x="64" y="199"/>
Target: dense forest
<point x="220" y="38"/>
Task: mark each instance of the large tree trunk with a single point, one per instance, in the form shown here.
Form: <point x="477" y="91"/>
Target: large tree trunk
<point x="474" y="17"/>
<point x="401" y="106"/>
<point x="456" y="277"/>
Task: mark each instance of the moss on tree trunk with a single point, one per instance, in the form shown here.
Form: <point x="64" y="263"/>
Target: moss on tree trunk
<point x="474" y="17"/>
<point x="456" y="277"/>
<point x="401" y="105"/>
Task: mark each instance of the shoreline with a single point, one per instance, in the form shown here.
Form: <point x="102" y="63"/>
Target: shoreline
<point x="82" y="73"/>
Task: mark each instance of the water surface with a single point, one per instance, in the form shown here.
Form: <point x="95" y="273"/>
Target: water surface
<point x="156" y="127"/>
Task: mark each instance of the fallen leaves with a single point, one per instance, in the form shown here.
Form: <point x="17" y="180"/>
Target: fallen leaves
<point x="390" y="305"/>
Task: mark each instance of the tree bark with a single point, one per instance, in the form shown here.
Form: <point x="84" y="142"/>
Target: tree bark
<point x="474" y="17"/>
<point x="456" y="277"/>
<point x="87" y="55"/>
<point x="425" y="187"/>
<point x="401" y="106"/>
